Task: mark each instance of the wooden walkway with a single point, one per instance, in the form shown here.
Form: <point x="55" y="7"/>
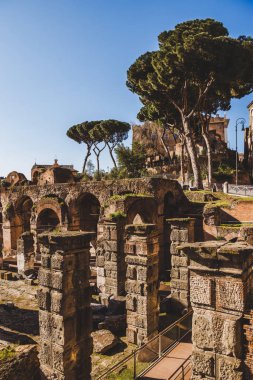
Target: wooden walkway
<point x="167" y="367"/>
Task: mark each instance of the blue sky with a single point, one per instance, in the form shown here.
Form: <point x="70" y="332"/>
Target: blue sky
<point x="65" y="61"/>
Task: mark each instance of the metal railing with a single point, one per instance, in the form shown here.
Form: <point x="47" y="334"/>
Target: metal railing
<point x="144" y="358"/>
<point x="183" y="372"/>
<point x="245" y="190"/>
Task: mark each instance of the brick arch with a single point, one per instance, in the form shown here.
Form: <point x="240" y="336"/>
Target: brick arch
<point x="85" y="212"/>
<point x="47" y="220"/>
<point x="57" y="205"/>
<point x="23" y="207"/>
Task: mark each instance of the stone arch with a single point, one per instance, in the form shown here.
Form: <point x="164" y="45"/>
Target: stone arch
<point x="23" y="208"/>
<point x="47" y="220"/>
<point x="85" y="213"/>
<point x="57" y="205"/>
<point x="20" y="217"/>
<point x="142" y="211"/>
<point x="35" y="176"/>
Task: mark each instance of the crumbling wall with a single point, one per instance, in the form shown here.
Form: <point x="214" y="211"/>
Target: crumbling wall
<point x="248" y="331"/>
<point x="220" y="274"/>
<point x="111" y="268"/>
<point x="141" y="250"/>
<point x="25" y="252"/>
<point x="181" y="231"/>
<point x="64" y="302"/>
<point x="23" y="364"/>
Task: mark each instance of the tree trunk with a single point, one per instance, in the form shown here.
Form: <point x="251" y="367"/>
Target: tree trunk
<point x="98" y="166"/>
<point x="86" y="159"/>
<point x="193" y="155"/>
<point x="182" y="164"/>
<point x="209" y="159"/>
<point x="112" y="157"/>
<point x="167" y="151"/>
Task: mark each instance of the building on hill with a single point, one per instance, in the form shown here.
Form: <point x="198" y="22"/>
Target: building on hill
<point x="164" y="148"/>
<point x="50" y="174"/>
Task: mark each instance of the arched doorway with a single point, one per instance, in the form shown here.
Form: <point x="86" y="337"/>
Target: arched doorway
<point x="47" y="220"/>
<point x="89" y="210"/>
<point x="20" y="219"/>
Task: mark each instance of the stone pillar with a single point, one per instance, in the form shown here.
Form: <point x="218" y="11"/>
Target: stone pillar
<point x="25" y="252"/>
<point x="141" y="250"/>
<point x="111" y="267"/>
<point x="6" y="238"/>
<point x="181" y="231"/>
<point x="220" y="275"/>
<point x="248" y="330"/>
<point x="64" y="303"/>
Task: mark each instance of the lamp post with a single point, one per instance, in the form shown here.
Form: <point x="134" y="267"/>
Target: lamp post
<point x="241" y="121"/>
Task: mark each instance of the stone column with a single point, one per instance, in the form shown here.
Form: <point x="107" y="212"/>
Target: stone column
<point x="220" y="275"/>
<point x="64" y="303"/>
<point x="248" y="330"/>
<point x="181" y="231"/>
<point x="111" y="267"/>
<point x="25" y="252"/>
<point x="141" y="250"/>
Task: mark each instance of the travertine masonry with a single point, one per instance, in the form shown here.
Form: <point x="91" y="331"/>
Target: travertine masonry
<point x="111" y="267"/>
<point x="25" y="252"/>
<point x="64" y="302"/>
<point x="141" y="250"/>
<point x="219" y="295"/>
<point x="181" y="231"/>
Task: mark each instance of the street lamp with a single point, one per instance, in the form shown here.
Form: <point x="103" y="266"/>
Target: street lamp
<point x="241" y="121"/>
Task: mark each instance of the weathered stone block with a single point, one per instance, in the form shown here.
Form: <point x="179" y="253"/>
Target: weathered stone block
<point x="46" y="261"/>
<point x="44" y="298"/>
<point x="230" y="294"/>
<point x="203" y="363"/>
<point x="45" y="354"/>
<point x="201" y="290"/>
<point x="229" y="368"/>
<point x="131" y="334"/>
<point x="45" y="277"/>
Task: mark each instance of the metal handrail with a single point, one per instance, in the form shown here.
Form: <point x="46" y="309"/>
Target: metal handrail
<point x="187" y="360"/>
<point x="160" y="354"/>
<point x="163" y="354"/>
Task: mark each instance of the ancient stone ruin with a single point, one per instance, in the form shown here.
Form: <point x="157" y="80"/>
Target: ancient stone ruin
<point x="124" y="243"/>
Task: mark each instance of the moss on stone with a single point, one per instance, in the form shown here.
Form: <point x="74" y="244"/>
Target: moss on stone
<point x="7" y="353"/>
<point x="117" y="215"/>
<point x="171" y="220"/>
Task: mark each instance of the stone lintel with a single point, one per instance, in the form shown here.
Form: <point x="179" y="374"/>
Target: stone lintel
<point x="177" y="222"/>
<point x="140" y="229"/>
<point x="61" y="240"/>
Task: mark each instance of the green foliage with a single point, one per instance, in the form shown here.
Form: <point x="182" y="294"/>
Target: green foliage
<point x="224" y="173"/>
<point x="117" y="215"/>
<point x="131" y="161"/>
<point x="94" y="133"/>
<point x="192" y="74"/>
<point x="117" y="197"/>
<point x="7" y="353"/>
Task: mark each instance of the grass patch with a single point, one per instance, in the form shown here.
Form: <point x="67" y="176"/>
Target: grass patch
<point x="117" y="215"/>
<point x="7" y="353"/>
